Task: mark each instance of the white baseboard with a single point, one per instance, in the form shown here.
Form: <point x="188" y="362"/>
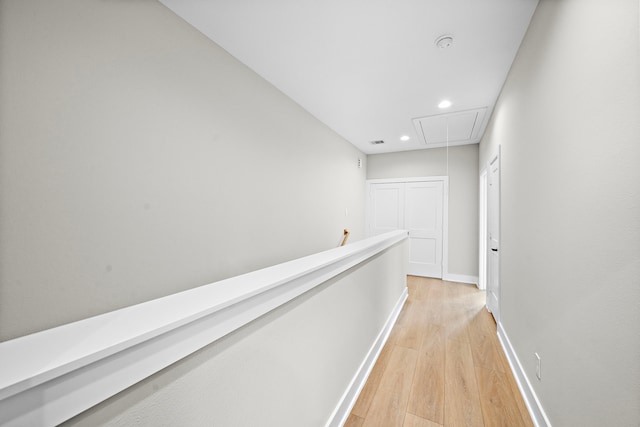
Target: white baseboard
<point x="528" y="394"/>
<point x="462" y="278"/>
<point x="348" y="400"/>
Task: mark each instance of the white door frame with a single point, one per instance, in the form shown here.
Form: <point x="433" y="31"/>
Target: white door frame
<point x="482" y="228"/>
<point x="445" y="210"/>
<point x="490" y="214"/>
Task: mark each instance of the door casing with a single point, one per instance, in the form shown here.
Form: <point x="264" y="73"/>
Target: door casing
<point x="482" y="230"/>
<point x="493" y="236"/>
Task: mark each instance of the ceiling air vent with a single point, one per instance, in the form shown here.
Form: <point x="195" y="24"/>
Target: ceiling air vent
<point x="378" y="142"/>
<point x="456" y="128"/>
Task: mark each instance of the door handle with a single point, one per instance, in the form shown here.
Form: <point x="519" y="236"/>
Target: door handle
<point x="494" y="250"/>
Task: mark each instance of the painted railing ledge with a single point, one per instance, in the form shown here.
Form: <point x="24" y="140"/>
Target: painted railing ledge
<point x="50" y="376"/>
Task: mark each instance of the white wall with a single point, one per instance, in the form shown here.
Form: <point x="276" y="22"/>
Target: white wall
<point x="138" y="159"/>
<point x="568" y="123"/>
<point x="463" y="194"/>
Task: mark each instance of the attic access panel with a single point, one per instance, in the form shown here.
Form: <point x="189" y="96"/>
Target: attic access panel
<point x="463" y="127"/>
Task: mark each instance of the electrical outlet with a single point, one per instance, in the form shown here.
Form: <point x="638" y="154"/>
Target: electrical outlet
<point x="538" y="371"/>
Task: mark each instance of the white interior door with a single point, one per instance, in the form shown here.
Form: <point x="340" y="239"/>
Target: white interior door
<point x="423" y="219"/>
<point x="493" y="239"/>
<point x="387" y="208"/>
<point x="416" y="206"/>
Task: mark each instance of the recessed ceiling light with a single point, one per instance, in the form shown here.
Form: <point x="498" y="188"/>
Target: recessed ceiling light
<point x="444" y="104"/>
<point x="404" y="138"/>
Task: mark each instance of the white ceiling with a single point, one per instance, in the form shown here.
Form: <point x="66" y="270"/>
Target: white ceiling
<point x="367" y="68"/>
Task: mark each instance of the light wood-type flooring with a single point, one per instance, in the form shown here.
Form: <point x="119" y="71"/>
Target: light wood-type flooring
<point x="441" y="366"/>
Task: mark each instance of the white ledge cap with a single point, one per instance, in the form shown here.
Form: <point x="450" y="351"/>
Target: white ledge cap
<point x="34" y="359"/>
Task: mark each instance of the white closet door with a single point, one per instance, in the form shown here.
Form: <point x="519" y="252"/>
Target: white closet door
<point x="423" y="218"/>
<point x="387" y="208"/>
<point x="418" y="208"/>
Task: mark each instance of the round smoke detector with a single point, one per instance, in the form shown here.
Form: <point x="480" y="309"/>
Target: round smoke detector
<point x="444" y="42"/>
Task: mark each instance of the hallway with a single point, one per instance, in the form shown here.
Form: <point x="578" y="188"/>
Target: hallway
<point x="441" y="366"/>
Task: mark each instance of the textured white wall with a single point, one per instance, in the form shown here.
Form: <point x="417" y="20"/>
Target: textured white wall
<point x="138" y="159"/>
<point x="568" y="123"/>
<point x="463" y="193"/>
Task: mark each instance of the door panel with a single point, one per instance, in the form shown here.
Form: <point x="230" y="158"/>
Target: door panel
<point x="421" y="213"/>
<point x="423" y="219"/>
<point x="423" y="251"/>
<point x="388" y="208"/>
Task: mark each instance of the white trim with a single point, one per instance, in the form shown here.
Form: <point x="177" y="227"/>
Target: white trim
<point x="462" y="278"/>
<point x="350" y="396"/>
<point x="412" y="179"/>
<point x="528" y="394"/>
<point x="482" y="229"/>
<point x="53" y="375"/>
<point x="445" y="228"/>
<point x="493" y="214"/>
<point x="445" y="209"/>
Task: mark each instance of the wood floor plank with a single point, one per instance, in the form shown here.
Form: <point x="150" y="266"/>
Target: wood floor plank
<point x="462" y="404"/>
<point x="373" y="382"/>
<point x="411" y="420"/>
<point x="389" y="404"/>
<point x="436" y="288"/>
<point x="454" y="316"/>
<point x="515" y="390"/>
<point x="485" y="352"/>
<point x="418" y="288"/>
<point x="354" y="421"/>
<point x="481" y="320"/>
<point x="427" y="392"/>
<point x="430" y="309"/>
<point x="499" y="407"/>
<point x="433" y="307"/>
<point x="405" y="314"/>
<point x="410" y="335"/>
<point x="454" y="324"/>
